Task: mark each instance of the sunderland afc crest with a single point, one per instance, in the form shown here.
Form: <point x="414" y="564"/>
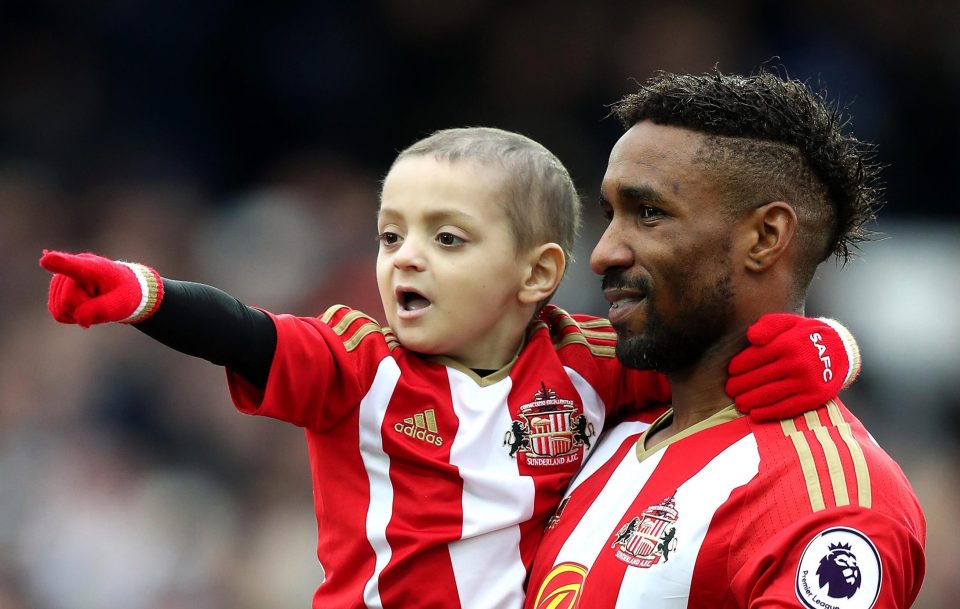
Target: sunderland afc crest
<point x="649" y="538"/>
<point x="549" y="431"/>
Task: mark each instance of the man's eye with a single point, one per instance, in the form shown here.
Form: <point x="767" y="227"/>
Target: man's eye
<point x="645" y="212"/>
<point x="448" y="239"/>
<point x="388" y="238"/>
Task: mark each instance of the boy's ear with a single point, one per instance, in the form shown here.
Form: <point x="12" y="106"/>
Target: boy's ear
<point x="543" y="272"/>
<point x="772" y="227"/>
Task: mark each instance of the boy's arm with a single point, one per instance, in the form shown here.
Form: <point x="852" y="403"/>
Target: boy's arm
<point x="206" y="322"/>
<point x="793" y="364"/>
<point x="195" y="319"/>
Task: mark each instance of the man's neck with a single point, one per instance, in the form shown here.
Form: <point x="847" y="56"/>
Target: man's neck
<point x="698" y="393"/>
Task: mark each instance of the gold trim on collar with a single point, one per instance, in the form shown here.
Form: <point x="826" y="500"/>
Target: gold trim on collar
<point x="725" y="415"/>
<point x="483" y="381"/>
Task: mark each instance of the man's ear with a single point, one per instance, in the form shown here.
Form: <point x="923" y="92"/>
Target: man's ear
<point x="544" y="270"/>
<point x="772" y="228"/>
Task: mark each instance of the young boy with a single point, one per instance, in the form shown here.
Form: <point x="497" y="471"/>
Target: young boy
<point x="441" y="444"/>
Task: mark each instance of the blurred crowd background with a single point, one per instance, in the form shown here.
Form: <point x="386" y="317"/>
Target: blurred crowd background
<point x="241" y="144"/>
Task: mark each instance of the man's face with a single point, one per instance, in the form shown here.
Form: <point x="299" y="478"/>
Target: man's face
<point x="665" y="254"/>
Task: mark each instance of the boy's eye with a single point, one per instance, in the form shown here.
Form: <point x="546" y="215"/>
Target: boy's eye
<point x="449" y="239"/>
<point x="388" y="238"/>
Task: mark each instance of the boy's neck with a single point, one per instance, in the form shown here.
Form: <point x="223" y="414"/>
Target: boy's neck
<point x="511" y="337"/>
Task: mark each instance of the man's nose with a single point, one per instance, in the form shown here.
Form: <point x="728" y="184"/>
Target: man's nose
<point x="611" y="251"/>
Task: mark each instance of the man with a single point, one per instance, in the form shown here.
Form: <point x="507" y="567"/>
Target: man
<point x="722" y="197"/>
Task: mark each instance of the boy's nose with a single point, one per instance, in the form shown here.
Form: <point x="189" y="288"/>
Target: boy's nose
<point x="409" y="256"/>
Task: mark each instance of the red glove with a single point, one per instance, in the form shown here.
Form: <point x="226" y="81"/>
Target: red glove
<point x="87" y="289"/>
<point x="793" y="364"/>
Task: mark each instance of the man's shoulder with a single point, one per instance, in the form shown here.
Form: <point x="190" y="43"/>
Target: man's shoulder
<point x="827" y="457"/>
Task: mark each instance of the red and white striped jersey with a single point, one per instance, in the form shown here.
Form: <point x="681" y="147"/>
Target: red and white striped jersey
<point x="432" y="485"/>
<point x="806" y="512"/>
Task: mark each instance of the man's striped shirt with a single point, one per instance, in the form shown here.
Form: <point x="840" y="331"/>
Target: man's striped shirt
<point x="807" y="512"/>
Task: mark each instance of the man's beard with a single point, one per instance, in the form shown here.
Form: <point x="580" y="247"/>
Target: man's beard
<point x="675" y="346"/>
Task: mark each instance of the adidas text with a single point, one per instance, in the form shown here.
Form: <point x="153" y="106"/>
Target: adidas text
<point x="420" y="434"/>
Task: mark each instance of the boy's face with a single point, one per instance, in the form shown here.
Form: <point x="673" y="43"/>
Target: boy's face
<point x="447" y="269"/>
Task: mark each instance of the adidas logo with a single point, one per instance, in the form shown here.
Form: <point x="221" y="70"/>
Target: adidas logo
<point x="422" y="426"/>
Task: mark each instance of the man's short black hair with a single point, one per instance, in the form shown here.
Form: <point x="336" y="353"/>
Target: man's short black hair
<point x="772" y="138"/>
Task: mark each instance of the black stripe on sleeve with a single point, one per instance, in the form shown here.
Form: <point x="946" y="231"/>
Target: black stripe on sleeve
<point x="206" y="322"/>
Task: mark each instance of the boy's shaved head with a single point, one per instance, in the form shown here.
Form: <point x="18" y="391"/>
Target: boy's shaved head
<point x="539" y="196"/>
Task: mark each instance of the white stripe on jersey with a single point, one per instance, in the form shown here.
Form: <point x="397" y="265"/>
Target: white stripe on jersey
<point x="666" y="585"/>
<point x="488" y="568"/>
<point x="584" y="544"/>
<point x="606" y="445"/>
<point x="376" y="462"/>
<point x="593" y="406"/>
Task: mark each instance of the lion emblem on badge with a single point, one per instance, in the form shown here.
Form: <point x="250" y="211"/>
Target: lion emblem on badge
<point x="839" y="568"/>
<point x="839" y="571"/>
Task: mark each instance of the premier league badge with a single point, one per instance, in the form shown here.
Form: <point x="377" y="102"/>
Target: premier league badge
<point x="839" y="569"/>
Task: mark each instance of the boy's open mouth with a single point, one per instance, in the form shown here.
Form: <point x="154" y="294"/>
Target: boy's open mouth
<point x="411" y="300"/>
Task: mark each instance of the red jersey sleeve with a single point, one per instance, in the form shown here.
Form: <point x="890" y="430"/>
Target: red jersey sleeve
<point x="588" y="344"/>
<point x="322" y="368"/>
<point x="844" y="557"/>
<point x="830" y="521"/>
